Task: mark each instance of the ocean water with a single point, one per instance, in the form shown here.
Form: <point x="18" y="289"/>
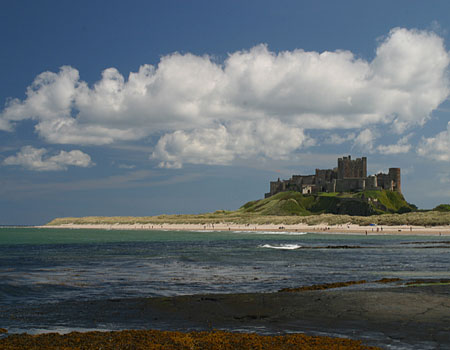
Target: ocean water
<point x="48" y="265"/>
<point x="39" y="266"/>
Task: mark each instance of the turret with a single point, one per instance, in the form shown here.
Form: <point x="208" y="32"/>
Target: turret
<point x="394" y="176"/>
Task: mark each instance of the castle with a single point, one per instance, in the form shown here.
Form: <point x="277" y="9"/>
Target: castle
<point x="349" y="176"/>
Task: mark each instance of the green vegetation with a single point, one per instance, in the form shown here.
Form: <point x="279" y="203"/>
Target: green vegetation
<point x="361" y="203"/>
<point x="430" y="218"/>
<point x="442" y="208"/>
<point x="289" y="208"/>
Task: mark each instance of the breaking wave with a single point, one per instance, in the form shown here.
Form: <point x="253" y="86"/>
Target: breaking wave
<point x="284" y="233"/>
<point x="282" y="246"/>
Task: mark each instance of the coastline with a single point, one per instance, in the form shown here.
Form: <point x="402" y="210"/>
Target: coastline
<point x="321" y="228"/>
<point x="388" y="312"/>
<point x="395" y="317"/>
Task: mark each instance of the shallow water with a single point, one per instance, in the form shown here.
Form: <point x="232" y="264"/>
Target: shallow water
<point x="47" y="265"/>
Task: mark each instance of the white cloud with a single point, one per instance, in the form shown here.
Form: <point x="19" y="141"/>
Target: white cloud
<point x="402" y="146"/>
<point x="437" y="147"/>
<point x="335" y="139"/>
<point x="365" y="140"/>
<point x="186" y="97"/>
<point x="33" y="159"/>
<point x="221" y="145"/>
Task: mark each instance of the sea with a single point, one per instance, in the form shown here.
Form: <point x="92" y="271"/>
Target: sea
<point x="39" y="266"/>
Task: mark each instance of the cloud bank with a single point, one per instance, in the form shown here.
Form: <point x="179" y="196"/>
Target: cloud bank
<point x="33" y="159"/>
<point x="267" y="138"/>
<point x="438" y="147"/>
<point x="402" y="146"/>
<point x="255" y="103"/>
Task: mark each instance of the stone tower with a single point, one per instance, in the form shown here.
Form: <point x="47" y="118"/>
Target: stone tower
<point x="348" y="168"/>
<point x="394" y="176"/>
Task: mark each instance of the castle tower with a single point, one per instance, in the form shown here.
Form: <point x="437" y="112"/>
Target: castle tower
<point x="364" y="167"/>
<point x="348" y="168"/>
<point x="394" y="176"/>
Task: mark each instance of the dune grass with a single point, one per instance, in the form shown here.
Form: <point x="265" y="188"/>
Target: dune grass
<point x="291" y="208"/>
<point x="430" y="218"/>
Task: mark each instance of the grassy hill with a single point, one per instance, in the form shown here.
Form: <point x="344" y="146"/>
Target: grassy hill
<point x="362" y="204"/>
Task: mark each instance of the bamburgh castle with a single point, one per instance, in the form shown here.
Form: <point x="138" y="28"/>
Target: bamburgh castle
<point x="349" y="176"/>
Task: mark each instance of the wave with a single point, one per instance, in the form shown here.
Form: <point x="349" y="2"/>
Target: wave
<point x="282" y="246"/>
<point x="273" y="233"/>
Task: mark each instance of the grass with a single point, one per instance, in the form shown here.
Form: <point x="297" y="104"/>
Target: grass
<point x="443" y="208"/>
<point x="430" y="218"/>
<point x="361" y="203"/>
<point x="291" y="208"/>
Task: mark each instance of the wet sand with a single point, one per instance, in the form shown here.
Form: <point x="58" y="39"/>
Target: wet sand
<point x="322" y="228"/>
<point x="394" y="317"/>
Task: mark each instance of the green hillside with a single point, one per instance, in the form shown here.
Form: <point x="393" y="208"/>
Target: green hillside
<point x="362" y="204"/>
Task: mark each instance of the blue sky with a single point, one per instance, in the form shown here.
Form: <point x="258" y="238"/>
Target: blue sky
<point x="153" y="107"/>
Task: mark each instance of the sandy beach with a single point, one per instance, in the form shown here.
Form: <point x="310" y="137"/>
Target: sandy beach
<point x="322" y="228"/>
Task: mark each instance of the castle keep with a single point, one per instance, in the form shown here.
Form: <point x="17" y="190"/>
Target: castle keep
<point x="349" y="176"/>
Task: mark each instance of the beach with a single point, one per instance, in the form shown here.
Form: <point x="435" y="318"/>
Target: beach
<point x="343" y="229"/>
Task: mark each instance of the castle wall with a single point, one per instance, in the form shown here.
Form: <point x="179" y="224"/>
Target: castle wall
<point x="349" y="185"/>
<point x="349" y="176"/>
<point x="308" y="180"/>
<point x="323" y="178"/>
<point x="371" y="183"/>
<point x="384" y="181"/>
<point x="331" y="186"/>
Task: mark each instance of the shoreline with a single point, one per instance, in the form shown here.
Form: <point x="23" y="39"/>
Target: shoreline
<point x="395" y="317"/>
<point x="278" y="228"/>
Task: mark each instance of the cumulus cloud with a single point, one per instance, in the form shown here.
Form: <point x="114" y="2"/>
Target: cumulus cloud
<point x="222" y="144"/>
<point x="188" y="97"/>
<point x="437" y="147"/>
<point x="34" y="159"/>
<point x="365" y="140"/>
<point x="402" y="146"/>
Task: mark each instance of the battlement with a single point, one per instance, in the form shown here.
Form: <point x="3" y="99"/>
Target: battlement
<point x="349" y="176"/>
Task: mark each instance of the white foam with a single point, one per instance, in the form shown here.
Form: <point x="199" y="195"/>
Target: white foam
<point x="282" y="246"/>
<point x="60" y="330"/>
<point x="273" y="233"/>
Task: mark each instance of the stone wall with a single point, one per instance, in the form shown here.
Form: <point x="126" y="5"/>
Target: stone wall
<point x="350" y="185"/>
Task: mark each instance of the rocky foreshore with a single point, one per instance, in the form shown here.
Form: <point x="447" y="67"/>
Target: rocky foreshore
<point x="396" y="316"/>
<point x="165" y="340"/>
